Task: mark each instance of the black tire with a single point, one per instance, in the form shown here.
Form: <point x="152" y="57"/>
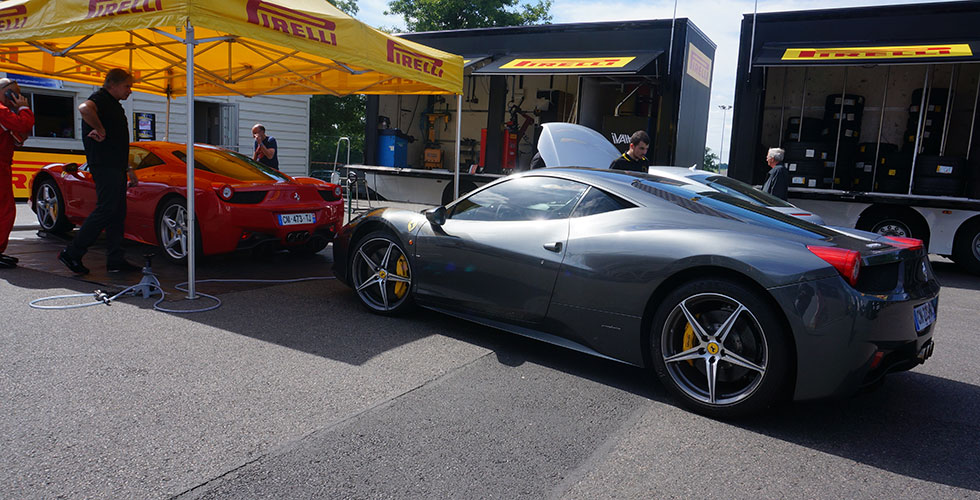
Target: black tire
<point x="49" y="206"/>
<point x="171" y="230"/>
<point x="966" y="246"/>
<point x="381" y="274"/>
<point x="750" y="358"/>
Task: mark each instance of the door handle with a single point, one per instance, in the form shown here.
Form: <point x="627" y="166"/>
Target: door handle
<point x="553" y="247"/>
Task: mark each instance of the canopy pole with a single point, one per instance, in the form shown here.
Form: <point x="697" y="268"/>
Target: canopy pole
<point x="191" y="237"/>
<point x="670" y="49"/>
<point x="166" y="133"/>
<point x="459" y="133"/>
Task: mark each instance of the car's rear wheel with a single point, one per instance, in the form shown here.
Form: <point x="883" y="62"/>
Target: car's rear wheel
<point x="719" y="347"/>
<point x="49" y="206"/>
<point x="172" y="230"/>
<point x="381" y="273"/>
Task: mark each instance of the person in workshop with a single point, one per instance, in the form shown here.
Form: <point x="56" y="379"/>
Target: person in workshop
<point x="635" y="158"/>
<point x="16" y="121"/>
<point x="777" y="184"/>
<point x="265" y="147"/>
<point x="105" y="135"/>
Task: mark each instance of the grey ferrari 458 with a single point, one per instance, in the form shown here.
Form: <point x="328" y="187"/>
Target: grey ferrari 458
<point x="734" y="306"/>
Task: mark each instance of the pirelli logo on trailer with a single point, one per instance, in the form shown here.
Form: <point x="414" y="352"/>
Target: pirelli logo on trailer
<point x="874" y="53"/>
<point x="570" y="62"/>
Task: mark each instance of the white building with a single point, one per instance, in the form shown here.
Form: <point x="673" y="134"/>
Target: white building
<point x="221" y="121"/>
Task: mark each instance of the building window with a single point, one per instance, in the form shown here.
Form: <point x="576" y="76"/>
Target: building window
<point x="54" y="115"/>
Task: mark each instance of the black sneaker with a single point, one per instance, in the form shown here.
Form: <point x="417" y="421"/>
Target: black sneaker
<point x="72" y="263"/>
<point x="9" y="259"/>
<point x="122" y="267"/>
<point x="7" y="265"/>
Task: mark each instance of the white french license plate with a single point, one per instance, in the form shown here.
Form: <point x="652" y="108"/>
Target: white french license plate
<point x="293" y="219"/>
<point x="925" y="315"/>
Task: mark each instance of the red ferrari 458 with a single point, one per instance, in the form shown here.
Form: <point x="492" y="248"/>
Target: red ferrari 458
<point x="240" y="203"/>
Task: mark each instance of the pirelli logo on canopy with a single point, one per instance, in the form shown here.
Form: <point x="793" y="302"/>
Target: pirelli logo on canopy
<point x="106" y="8"/>
<point x="12" y="18"/>
<point x="402" y="56"/>
<point x="865" y="53"/>
<point x="292" y="22"/>
<point x="568" y="62"/>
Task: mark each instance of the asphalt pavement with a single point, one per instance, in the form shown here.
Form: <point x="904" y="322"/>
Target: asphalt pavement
<point x="295" y="391"/>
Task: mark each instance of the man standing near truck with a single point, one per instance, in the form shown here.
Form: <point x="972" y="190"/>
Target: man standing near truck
<point x="635" y="158"/>
<point x="777" y="184"/>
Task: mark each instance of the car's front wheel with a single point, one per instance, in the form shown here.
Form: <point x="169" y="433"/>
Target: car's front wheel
<point x="381" y="273"/>
<point x="719" y="347"/>
<point x="49" y="205"/>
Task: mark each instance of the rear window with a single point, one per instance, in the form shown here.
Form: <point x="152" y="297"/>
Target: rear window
<point x="707" y="201"/>
<point x="230" y="164"/>
<point x="740" y="189"/>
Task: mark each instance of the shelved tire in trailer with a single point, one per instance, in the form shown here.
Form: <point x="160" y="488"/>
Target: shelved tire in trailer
<point x="966" y="246"/>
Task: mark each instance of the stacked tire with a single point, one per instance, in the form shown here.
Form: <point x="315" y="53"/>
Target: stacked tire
<point x="866" y="156"/>
<point x="810" y="131"/>
<point x="810" y="164"/>
<point x="842" y="127"/>
<point x="940" y="175"/>
<point x="932" y="124"/>
<point x="893" y="172"/>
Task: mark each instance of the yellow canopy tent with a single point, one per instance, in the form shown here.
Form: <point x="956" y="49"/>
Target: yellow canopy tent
<point x="244" y="47"/>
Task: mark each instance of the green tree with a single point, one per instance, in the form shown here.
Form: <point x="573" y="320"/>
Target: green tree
<point x="434" y="15"/>
<point x="333" y="117"/>
<point x="710" y="161"/>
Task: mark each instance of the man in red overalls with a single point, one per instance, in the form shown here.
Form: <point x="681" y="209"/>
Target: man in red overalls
<point x="16" y="121"/>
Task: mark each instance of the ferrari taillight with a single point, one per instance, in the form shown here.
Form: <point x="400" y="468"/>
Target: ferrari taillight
<point x="906" y="243"/>
<point x="226" y="192"/>
<point x="847" y="262"/>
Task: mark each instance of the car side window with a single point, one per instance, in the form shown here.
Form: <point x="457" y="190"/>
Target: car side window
<point x="141" y="158"/>
<point x="597" y="202"/>
<point x="524" y="198"/>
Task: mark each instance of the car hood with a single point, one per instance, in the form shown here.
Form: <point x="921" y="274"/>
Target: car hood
<point x="570" y="145"/>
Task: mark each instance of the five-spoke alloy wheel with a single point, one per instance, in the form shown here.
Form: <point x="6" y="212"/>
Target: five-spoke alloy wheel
<point x="49" y="206"/>
<point x="172" y="230"/>
<point x="718" y="346"/>
<point x="381" y="274"/>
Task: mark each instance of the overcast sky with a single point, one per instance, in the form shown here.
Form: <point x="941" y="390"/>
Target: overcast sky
<point x="720" y="20"/>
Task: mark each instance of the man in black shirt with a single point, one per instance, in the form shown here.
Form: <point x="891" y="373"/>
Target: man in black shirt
<point x="265" y="147"/>
<point x="777" y="183"/>
<point x="105" y="135"/>
<point x="635" y="159"/>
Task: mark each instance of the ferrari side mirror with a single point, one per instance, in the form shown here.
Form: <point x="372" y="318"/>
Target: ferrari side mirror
<point x="70" y="168"/>
<point x="437" y="216"/>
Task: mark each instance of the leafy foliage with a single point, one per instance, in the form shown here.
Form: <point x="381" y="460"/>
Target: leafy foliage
<point x="710" y="161"/>
<point x="334" y="117"/>
<point x="434" y="15"/>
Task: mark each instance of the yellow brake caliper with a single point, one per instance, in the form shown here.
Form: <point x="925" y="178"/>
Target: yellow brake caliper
<point x="401" y="269"/>
<point x="689" y="341"/>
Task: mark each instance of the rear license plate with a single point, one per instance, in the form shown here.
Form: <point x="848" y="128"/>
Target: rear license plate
<point x="924" y="315"/>
<point x="293" y="219"/>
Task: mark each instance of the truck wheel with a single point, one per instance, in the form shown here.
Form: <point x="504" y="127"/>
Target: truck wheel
<point x="966" y="247"/>
<point x="895" y="221"/>
<point x="892" y="227"/>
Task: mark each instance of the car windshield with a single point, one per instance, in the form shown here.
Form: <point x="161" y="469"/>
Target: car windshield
<point x="740" y="189"/>
<point x="700" y="198"/>
<point x="230" y="164"/>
